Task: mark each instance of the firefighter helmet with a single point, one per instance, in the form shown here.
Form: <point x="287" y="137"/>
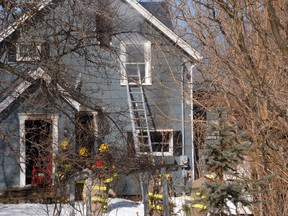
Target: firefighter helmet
<point x="168" y="176"/>
<point x="209" y="176"/>
<point x="104" y="147"/>
<point x="83" y="152"/>
<point x="65" y="144"/>
<point x="99" y="164"/>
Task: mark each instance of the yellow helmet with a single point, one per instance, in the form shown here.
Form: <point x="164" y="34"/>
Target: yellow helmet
<point x="168" y="176"/>
<point x="65" y="144"/>
<point x="104" y="147"/>
<point x="209" y="176"/>
<point x="83" y="152"/>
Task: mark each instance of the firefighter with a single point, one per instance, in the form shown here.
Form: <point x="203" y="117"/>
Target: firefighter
<point x="156" y="195"/>
<point x="64" y="169"/>
<point x="83" y="154"/>
<point x="99" y="188"/>
<point x="198" y="206"/>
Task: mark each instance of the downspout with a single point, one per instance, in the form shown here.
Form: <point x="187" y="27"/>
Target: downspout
<point x="182" y="109"/>
<point x="192" y="126"/>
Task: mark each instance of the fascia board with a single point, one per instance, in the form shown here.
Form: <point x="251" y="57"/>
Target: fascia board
<point x="22" y="19"/>
<point x="136" y="5"/>
<point x="168" y="32"/>
<point x="14" y="95"/>
<point x="38" y="73"/>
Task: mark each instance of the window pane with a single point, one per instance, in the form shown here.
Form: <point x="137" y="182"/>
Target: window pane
<point x="135" y="53"/>
<point x="160" y="147"/>
<point x="132" y="70"/>
<point x="28" y="50"/>
<point x="160" y="141"/>
<point x="24" y="51"/>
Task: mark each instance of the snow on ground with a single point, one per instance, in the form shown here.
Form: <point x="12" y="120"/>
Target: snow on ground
<point x="117" y="206"/>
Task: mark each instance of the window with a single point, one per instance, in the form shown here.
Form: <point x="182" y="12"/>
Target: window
<point x="162" y="142"/>
<point x="85" y="133"/>
<point x="28" y="52"/>
<point x="136" y="60"/>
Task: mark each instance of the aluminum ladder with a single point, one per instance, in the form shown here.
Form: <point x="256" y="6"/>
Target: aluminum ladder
<point x="138" y="113"/>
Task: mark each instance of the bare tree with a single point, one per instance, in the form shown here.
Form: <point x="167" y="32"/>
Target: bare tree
<point x="245" y="48"/>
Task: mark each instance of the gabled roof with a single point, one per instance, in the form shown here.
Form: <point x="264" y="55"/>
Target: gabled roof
<point x="137" y="6"/>
<point x="164" y="29"/>
<point x="160" y="10"/>
<point x="4" y="34"/>
<point x="26" y="86"/>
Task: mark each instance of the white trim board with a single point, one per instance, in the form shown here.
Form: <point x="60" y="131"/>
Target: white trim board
<point x="38" y="73"/>
<point x="22" y="159"/>
<point x="170" y="34"/>
<point x="138" y="7"/>
<point x="22" y="19"/>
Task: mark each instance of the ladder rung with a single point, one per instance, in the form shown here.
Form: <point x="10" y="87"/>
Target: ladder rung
<point x="139" y="118"/>
<point x="135" y="92"/>
<point x="135" y="101"/>
<point x="138" y="105"/>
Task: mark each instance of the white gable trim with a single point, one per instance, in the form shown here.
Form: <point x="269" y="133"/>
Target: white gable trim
<point x="22" y="19"/>
<point x="15" y="94"/>
<point x="170" y="34"/>
<point x="136" y="5"/>
<point x="38" y="73"/>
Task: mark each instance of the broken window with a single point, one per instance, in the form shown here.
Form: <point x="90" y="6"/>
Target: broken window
<point x="164" y="142"/>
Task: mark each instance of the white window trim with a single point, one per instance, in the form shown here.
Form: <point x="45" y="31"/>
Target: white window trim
<point x="28" y="58"/>
<point x="22" y="160"/>
<point x="171" y="143"/>
<point x="147" y="57"/>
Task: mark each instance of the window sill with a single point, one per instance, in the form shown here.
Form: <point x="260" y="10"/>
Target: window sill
<point x="165" y="154"/>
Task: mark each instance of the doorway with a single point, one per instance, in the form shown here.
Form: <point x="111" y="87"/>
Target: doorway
<point x="38" y="152"/>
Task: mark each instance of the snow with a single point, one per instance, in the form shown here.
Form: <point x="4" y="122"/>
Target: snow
<point x="117" y="206"/>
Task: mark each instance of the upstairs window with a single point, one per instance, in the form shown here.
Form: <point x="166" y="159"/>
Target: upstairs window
<point x="28" y="52"/>
<point x="136" y="60"/>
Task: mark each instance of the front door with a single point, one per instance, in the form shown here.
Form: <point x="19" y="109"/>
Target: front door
<point x="38" y="151"/>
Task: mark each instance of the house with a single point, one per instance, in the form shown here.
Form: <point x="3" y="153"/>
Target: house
<point x="92" y="72"/>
